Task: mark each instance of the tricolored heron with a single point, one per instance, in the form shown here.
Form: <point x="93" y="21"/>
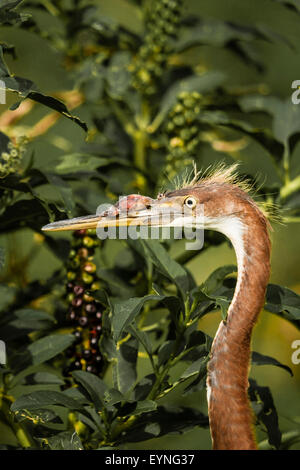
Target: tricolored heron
<point x="229" y="209"/>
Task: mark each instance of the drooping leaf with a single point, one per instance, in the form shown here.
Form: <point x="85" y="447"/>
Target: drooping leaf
<point x="286" y="116"/>
<point x="44" y="398"/>
<point x="163" y="421"/>
<point x="261" y="360"/>
<point x="283" y="302"/>
<point x="78" y="162"/>
<point x="137" y="408"/>
<point x="265" y="411"/>
<point x="23" y="321"/>
<point x="95" y="387"/>
<point x="167" y="266"/>
<point x="126" y="311"/>
<point x="42" y="350"/>
<point x="215" y="280"/>
<point x="27" y="89"/>
<point x="293" y="4"/>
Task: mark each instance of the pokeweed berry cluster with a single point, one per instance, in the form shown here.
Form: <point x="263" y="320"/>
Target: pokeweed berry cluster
<point x="183" y="131"/>
<point x="85" y="313"/>
<point x="162" y="21"/>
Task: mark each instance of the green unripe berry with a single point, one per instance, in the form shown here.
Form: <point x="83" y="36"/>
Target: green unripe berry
<point x="178" y="120"/>
<point x="88" y="242"/>
<point x="87" y="278"/>
<point x="71" y="275"/>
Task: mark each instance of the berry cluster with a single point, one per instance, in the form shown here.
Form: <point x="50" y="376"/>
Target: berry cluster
<point x="85" y="313"/>
<point x="11" y="159"/>
<point x="183" y="131"/>
<point x="162" y="23"/>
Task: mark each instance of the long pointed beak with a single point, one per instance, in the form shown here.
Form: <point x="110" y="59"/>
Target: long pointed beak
<point x="96" y="221"/>
<point x="134" y="210"/>
<point x="129" y="210"/>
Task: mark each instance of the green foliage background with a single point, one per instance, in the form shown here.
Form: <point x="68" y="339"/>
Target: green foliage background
<point x="142" y="90"/>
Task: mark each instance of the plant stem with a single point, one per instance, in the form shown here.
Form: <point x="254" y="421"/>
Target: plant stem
<point x="19" y="429"/>
<point x="290" y="187"/>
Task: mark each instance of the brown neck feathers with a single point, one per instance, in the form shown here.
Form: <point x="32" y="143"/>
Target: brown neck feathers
<point x="230" y="414"/>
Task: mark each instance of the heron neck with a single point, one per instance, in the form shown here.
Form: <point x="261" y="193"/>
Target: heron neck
<point x="230" y="414"/>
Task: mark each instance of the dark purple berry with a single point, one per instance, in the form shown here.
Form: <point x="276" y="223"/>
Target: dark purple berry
<point x="78" y="290"/>
<point x="98" y="329"/>
<point x="90" y="308"/>
<point x="83" y="321"/>
<point x="76" y="365"/>
<point x="98" y="315"/>
<point x="92" y="369"/>
<point x="77" y="302"/>
<point x="86" y="354"/>
<point x="98" y="359"/>
<point x="94" y="342"/>
<point x="80" y="233"/>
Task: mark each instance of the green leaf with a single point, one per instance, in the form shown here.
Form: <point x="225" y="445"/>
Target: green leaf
<point x="261" y="360"/>
<point x="293" y="4"/>
<point x="284" y="302"/>
<point x="42" y="350"/>
<point x="7" y="295"/>
<point x="143" y="388"/>
<point x="44" y="378"/>
<point x="124" y="365"/>
<point x="165" y="351"/>
<point x="77" y="162"/>
<point x="265" y="411"/>
<point x="215" y="280"/>
<point x="263" y="136"/>
<point x="200" y="381"/>
<point x="95" y="387"/>
<point x="66" y="440"/>
<point x="137" y="408"/>
<point x="27" y="89"/>
<point x="286" y="115"/>
<point x="65" y="192"/>
<point x="44" y="398"/>
<point x="164" y="420"/>
<point x="126" y="311"/>
<point x="141" y="336"/>
<point x="167" y="266"/>
<point x="127" y="14"/>
<point x="23" y="321"/>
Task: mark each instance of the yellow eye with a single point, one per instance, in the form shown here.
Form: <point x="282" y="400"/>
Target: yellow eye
<point x="190" y="202"/>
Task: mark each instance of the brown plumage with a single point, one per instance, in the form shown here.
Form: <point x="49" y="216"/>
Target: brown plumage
<point x="229" y="209"/>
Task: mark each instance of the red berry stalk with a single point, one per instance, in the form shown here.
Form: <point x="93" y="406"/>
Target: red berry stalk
<point x="84" y="312"/>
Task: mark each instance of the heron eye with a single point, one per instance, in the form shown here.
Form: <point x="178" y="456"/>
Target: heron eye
<point x="190" y="202"/>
